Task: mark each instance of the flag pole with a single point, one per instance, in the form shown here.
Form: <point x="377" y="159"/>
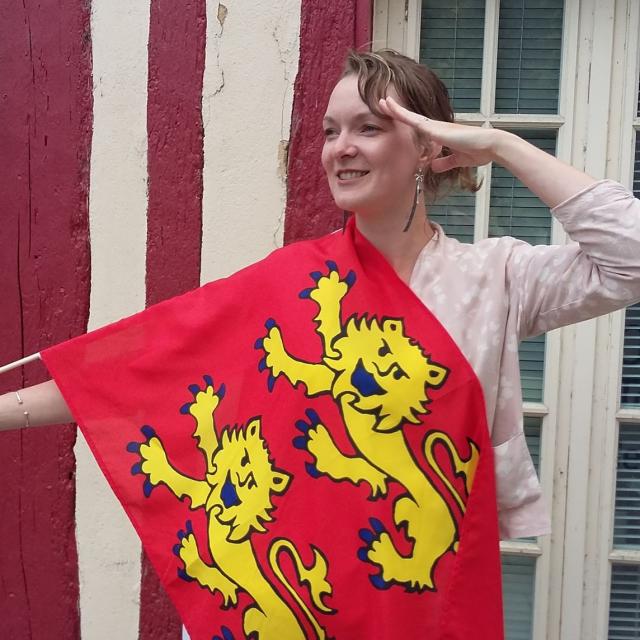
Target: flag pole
<point x="19" y="363"/>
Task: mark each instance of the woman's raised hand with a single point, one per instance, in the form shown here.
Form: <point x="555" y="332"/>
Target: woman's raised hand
<point x="470" y="146"/>
<point x="547" y="177"/>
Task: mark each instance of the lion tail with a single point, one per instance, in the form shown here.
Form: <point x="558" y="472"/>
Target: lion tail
<point x="315" y="576"/>
<point x="462" y="466"/>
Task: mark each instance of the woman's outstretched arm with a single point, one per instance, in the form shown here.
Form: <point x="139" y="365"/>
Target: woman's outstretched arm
<point x="43" y="402"/>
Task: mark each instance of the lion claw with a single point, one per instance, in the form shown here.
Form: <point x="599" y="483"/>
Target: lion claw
<point x="184" y="575"/>
<point x="226" y="634"/>
<point x="312" y="470"/>
<point x="379" y="582"/>
<point x="148" y="432"/>
<point x="147" y="487"/>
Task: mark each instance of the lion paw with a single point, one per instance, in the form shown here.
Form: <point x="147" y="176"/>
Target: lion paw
<point x="373" y="538"/>
<point x="205" y="400"/>
<point x="274" y="351"/>
<point x="185" y="550"/>
<point x="153" y="459"/>
<point x="329" y="286"/>
<point x="195" y="569"/>
<point x="330" y="461"/>
<point x="317" y="441"/>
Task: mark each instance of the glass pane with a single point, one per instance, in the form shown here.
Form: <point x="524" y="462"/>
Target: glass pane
<point x="533" y="433"/>
<point x="626" y="528"/>
<point x="514" y="210"/>
<point x="456" y="214"/>
<point x="531" y="353"/>
<point x="451" y="42"/>
<point x="624" y="606"/>
<point x="518" y="579"/>
<point x="529" y="49"/>
<point x="630" y="390"/>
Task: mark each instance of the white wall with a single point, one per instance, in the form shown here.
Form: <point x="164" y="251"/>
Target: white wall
<point x="251" y="62"/>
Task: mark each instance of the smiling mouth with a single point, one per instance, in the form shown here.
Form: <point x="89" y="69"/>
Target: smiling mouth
<point x="344" y="176"/>
<point x="364" y="382"/>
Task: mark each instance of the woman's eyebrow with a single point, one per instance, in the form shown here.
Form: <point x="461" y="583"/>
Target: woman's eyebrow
<point x="360" y="115"/>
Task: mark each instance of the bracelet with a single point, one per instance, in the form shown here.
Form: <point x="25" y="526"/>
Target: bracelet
<point x="26" y="413"/>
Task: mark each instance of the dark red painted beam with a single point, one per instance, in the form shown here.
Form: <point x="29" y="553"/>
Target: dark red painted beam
<point x="327" y="31"/>
<point x="46" y="115"/>
<point x="174" y="223"/>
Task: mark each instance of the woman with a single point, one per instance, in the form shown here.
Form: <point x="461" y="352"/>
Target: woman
<point x="431" y="542"/>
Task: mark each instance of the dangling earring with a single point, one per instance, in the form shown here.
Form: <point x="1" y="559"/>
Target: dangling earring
<point x="419" y="186"/>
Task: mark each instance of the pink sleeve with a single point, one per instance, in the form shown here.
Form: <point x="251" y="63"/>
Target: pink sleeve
<point x="553" y="286"/>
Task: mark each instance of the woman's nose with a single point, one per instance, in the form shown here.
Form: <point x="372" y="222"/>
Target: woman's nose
<point x="344" y="146"/>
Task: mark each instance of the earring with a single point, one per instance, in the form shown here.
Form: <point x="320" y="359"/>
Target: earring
<point x="419" y="188"/>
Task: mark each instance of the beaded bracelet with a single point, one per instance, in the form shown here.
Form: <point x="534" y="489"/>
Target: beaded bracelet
<point x="26" y="413"/>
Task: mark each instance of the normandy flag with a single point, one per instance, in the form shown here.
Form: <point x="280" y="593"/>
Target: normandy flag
<point x="302" y="449"/>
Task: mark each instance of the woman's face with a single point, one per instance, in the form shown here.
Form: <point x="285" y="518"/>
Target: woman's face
<point x="370" y="162"/>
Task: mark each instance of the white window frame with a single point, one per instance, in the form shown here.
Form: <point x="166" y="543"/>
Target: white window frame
<point x="582" y="362"/>
<point x="607" y="412"/>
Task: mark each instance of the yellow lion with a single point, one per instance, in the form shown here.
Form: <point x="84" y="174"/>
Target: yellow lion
<point x="236" y="494"/>
<point x="378" y="377"/>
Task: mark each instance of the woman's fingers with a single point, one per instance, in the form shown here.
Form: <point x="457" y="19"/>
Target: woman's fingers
<point x="470" y="146"/>
<point x="394" y="110"/>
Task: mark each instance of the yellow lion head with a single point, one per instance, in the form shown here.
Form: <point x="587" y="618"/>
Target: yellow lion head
<point x="243" y="480"/>
<point x="385" y="370"/>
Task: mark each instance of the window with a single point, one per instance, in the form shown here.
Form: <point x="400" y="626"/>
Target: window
<point x="565" y="76"/>
<point x="624" y="595"/>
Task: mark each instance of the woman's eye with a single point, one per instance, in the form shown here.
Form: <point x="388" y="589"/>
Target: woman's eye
<point x="370" y="128"/>
<point x="329" y="132"/>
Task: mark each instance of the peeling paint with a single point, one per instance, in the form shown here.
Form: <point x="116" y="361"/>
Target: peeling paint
<point x="283" y="159"/>
<point x="222" y="14"/>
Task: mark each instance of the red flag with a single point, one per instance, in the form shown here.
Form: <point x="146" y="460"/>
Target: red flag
<point x="302" y="449"/>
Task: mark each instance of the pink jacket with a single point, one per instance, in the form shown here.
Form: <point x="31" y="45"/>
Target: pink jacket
<point x="495" y="293"/>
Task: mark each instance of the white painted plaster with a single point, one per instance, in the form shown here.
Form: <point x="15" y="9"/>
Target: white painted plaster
<point x="108" y="548"/>
<point x="250" y="66"/>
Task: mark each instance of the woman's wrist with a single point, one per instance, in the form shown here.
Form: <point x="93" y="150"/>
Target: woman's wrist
<point x="41" y="404"/>
<point x="506" y="146"/>
<point x="12" y="411"/>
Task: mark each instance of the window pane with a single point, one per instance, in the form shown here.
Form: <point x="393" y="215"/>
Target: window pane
<point x="451" y="41"/>
<point x="624" y="606"/>
<point x="626" y="529"/>
<point x="515" y="211"/>
<point x="456" y="215"/>
<point x="518" y="579"/>
<point x="532" y="433"/>
<point x="630" y="391"/>
<point x="529" y="48"/>
<point x="531" y="353"/>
